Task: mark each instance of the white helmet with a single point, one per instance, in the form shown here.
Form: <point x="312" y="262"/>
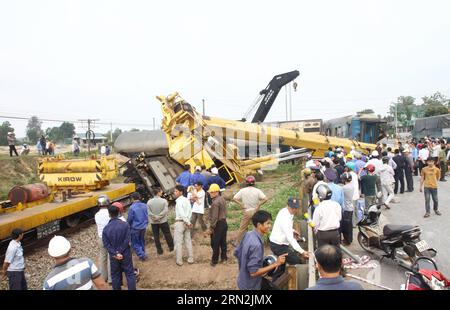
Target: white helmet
<point x="375" y="153"/>
<point x="215" y="171"/>
<point x="58" y="246"/>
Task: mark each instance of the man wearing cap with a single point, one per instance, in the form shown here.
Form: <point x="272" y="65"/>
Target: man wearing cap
<point x="327" y="218"/>
<point x="375" y="161"/>
<point x="116" y="239"/>
<point x="370" y="186"/>
<point x="197" y="176"/>
<point x="14" y="264"/>
<point x="71" y="273"/>
<point x="182" y="226"/>
<point x="214" y="179"/>
<point x="11" y="143"/>
<point x="250" y="199"/>
<point x="101" y="220"/>
<point x="218" y="225"/>
<point x="283" y="235"/>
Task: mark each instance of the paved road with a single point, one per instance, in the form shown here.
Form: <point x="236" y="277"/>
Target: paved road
<point x="409" y="210"/>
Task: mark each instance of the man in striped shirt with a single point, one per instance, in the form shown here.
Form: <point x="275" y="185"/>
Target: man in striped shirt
<point x="71" y="273"/>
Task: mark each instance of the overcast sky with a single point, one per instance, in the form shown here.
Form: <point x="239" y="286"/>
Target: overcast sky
<point x="109" y="59"/>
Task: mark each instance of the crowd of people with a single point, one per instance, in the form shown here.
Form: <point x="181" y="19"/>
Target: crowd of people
<point x="339" y="189"/>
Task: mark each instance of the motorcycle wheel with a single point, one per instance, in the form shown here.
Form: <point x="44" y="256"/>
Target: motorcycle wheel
<point x="364" y="242"/>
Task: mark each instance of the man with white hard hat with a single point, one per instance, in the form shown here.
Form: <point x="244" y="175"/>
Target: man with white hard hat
<point x="71" y="273"/>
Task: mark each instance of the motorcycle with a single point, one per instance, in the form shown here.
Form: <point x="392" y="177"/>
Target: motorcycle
<point x="400" y="243"/>
<point x="424" y="275"/>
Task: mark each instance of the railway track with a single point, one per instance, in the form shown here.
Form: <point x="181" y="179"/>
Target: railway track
<point x="31" y="243"/>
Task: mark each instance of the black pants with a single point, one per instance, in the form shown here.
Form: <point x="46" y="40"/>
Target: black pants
<point x="347" y="226"/>
<point x="399" y="177"/>
<point x="12" y="148"/>
<point x="167" y="235"/>
<point x="292" y="258"/>
<point x="331" y="237"/>
<point x="17" y="280"/>
<point x="219" y="242"/>
<point x="443" y="165"/>
<point x="421" y="165"/>
<point x="409" y="179"/>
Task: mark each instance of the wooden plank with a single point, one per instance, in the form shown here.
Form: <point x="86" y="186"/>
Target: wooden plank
<point x="292" y="271"/>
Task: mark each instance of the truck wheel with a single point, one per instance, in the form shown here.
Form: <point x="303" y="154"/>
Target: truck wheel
<point x="73" y="220"/>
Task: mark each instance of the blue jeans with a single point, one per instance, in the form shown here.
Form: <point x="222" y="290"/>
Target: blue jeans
<point x="138" y="242"/>
<point x="433" y="193"/>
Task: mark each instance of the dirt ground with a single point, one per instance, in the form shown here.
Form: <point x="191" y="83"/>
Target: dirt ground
<point x="159" y="271"/>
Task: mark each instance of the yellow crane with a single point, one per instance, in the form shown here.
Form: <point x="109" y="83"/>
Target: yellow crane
<point x="202" y="140"/>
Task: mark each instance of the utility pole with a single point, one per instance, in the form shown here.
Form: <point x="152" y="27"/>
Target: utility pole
<point x="286" y="101"/>
<point x="396" y="121"/>
<point x="89" y="132"/>
<point x="154" y="127"/>
<point x="203" y="103"/>
<point x="290" y="101"/>
<point x="111" y="135"/>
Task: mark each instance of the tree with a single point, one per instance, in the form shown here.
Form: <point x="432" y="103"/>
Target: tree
<point x="34" y="130"/>
<point x="436" y="104"/>
<point x="4" y="129"/>
<point x="134" y="129"/>
<point x="54" y="134"/>
<point x="406" y="110"/>
<point x="366" y="111"/>
<point x="115" y="134"/>
<point x="67" y="130"/>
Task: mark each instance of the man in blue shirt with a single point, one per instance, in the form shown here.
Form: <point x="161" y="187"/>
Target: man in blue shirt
<point x="138" y="221"/>
<point x="214" y="179"/>
<point x="185" y="178"/>
<point x="197" y="176"/>
<point x="250" y="254"/>
<point x="329" y="263"/>
<point x="337" y="192"/>
<point x="116" y="239"/>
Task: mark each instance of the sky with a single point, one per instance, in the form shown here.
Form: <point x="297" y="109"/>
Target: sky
<point x="107" y="60"/>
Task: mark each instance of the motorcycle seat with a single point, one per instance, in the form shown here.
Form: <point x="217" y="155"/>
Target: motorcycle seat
<point x="391" y="230"/>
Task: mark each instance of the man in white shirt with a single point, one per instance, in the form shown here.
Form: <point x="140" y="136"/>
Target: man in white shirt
<point x="327" y="218"/>
<point x="424" y="153"/>
<point x="197" y="197"/>
<point x="375" y="160"/>
<point x="283" y="235"/>
<point x="101" y="220"/>
<point x="250" y="199"/>
<point x="182" y="226"/>
<point x="14" y="264"/>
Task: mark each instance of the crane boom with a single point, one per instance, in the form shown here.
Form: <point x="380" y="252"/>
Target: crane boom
<point x="270" y="93"/>
<point x="202" y="140"/>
